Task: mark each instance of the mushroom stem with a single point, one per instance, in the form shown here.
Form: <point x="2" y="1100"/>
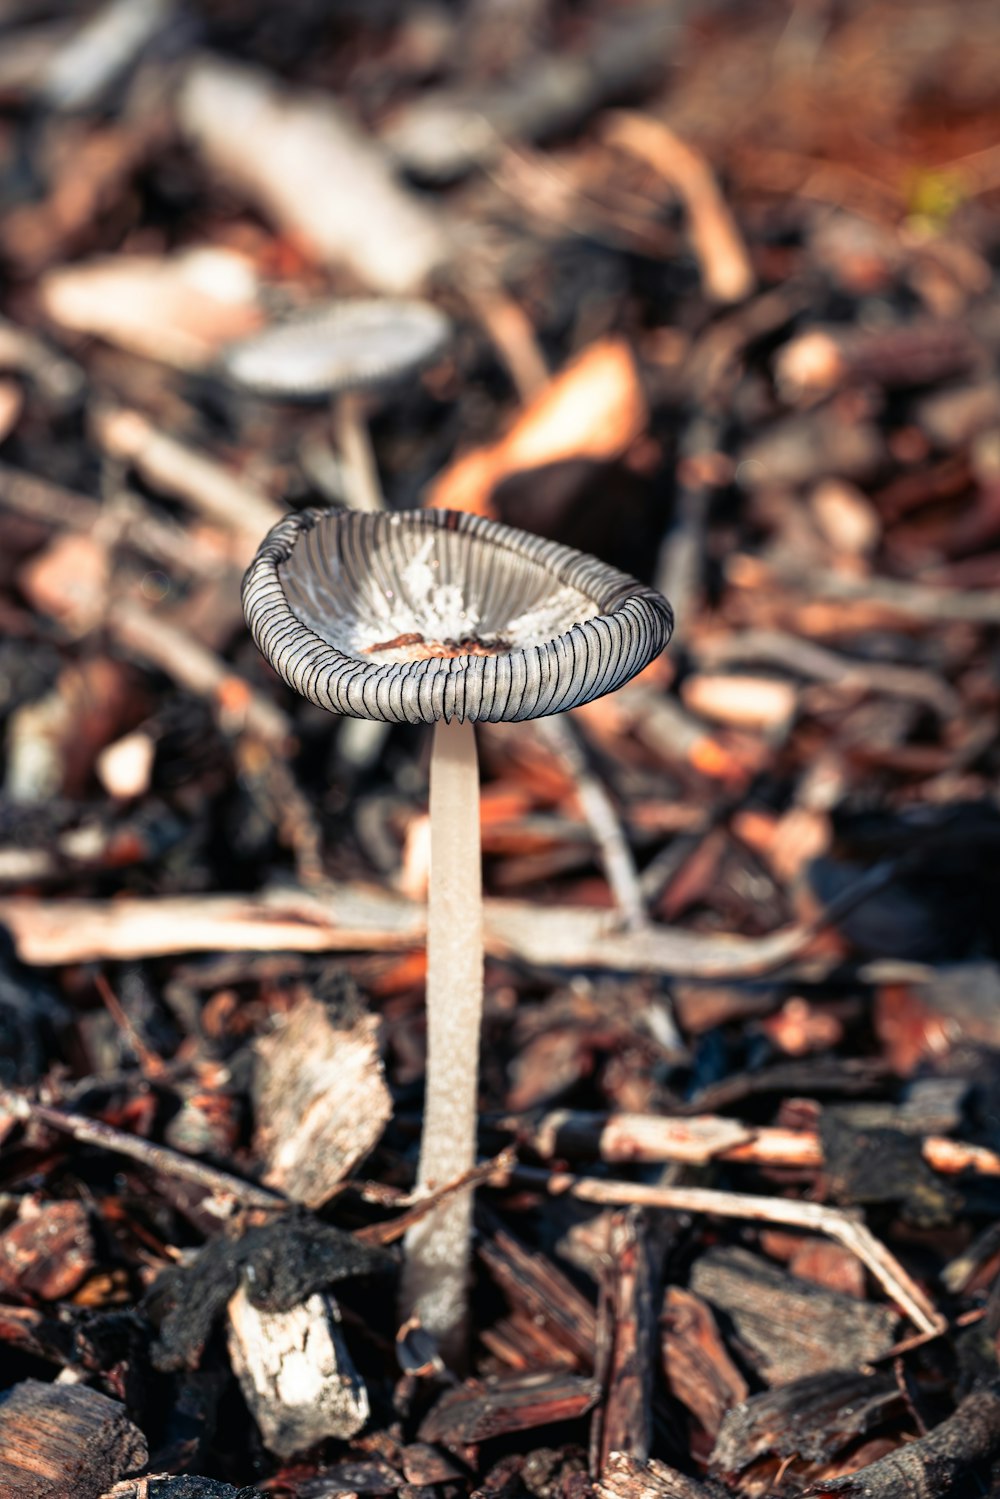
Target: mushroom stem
<point x="435" y="1280"/>
<point x="350" y="431"/>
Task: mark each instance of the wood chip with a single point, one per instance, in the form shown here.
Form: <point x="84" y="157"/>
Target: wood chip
<point x="762" y="703"/>
<point x="11" y="406"/>
<point x="626" y="1335"/>
<point x="321" y="1101"/>
<point x="480" y="1409"/>
<point x="64" y="1442"/>
<point x="296" y="1373"/>
<point x="793" y="1328"/>
<point x="624" y="1477"/>
<point x="846" y="517"/>
<point x="700" y="1372"/>
<point x="180" y="309"/>
<point x="48" y="1252"/>
<point x="68" y="580"/>
<point x="931" y="1465"/>
<point x="534" y="1285"/>
<point x="125" y="768"/>
<point x="811" y="1418"/>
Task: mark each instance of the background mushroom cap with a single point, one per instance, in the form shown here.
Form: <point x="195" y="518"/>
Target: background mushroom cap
<point x="420" y="615"/>
<point x="339" y="346"/>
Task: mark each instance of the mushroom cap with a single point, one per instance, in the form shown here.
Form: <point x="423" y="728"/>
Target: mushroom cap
<point x="339" y="346"/>
<point x="418" y="615"/>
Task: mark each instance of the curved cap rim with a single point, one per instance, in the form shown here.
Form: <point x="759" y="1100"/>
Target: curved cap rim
<point x="630" y="626"/>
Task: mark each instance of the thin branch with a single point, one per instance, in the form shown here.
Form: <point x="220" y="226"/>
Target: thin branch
<point x="350" y="918"/>
<point x="197" y="480"/>
<point x="159" y="1158"/>
<point x="698" y="1140"/>
<point x="421" y="1202"/>
<point x="193" y="666"/>
<point x="804" y="657"/>
<point x="815" y="1216"/>
<point x="602" y="819"/>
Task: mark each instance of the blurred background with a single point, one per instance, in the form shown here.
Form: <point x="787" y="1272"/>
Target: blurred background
<point x="723" y="288"/>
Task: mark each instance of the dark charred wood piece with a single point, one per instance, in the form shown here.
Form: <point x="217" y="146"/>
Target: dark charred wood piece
<point x="932" y="1464"/>
<point x="811" y="1418"/>
<point x="290" y="1260"/>
<point x="884" y="1165"/>
<point x="623" y="1421"/>
<point x="790" y="1327"/>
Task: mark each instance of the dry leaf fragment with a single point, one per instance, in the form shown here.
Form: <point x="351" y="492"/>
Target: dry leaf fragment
<point x="593" y="409"/>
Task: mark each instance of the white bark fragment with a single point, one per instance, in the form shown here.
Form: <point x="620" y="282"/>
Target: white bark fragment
<point x="295" y="1373"/>
<point x="321" y="1101"/>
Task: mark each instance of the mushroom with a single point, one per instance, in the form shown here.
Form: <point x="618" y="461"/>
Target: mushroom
<point x="339" y="351"/>
<point x="446" y="618"/>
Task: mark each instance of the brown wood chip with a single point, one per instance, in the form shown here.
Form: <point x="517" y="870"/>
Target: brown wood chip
<point x="64" y="1442"/>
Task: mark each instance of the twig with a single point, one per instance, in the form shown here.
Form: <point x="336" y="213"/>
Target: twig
<point x="420" y="1203"/>
<point x="665" y="725"/>
<point x="350" y="918"/>
<point x="263" y="732"/>
<point x="602" y="819"/>
<point x="834" y="1222"/>
<point x="726" y="273"/>
<point x="700" y="1139"/>
<point x="156" y="1157"/>
<point x="61" y="381"/>
<point x="507" y="325"/>
<point x="794" y="654"/>
<point x="193" y="666"/>
<point x="680" y="567"/>
<point x="39" y="500"/>
<point x="149" y="1062"/>
<point x="914" y="600"/>
<point x="176" y="470"/>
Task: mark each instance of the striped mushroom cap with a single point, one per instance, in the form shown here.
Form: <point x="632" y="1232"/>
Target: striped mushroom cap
<point x="339" y="346"/>
<point x="426" y="614"/>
